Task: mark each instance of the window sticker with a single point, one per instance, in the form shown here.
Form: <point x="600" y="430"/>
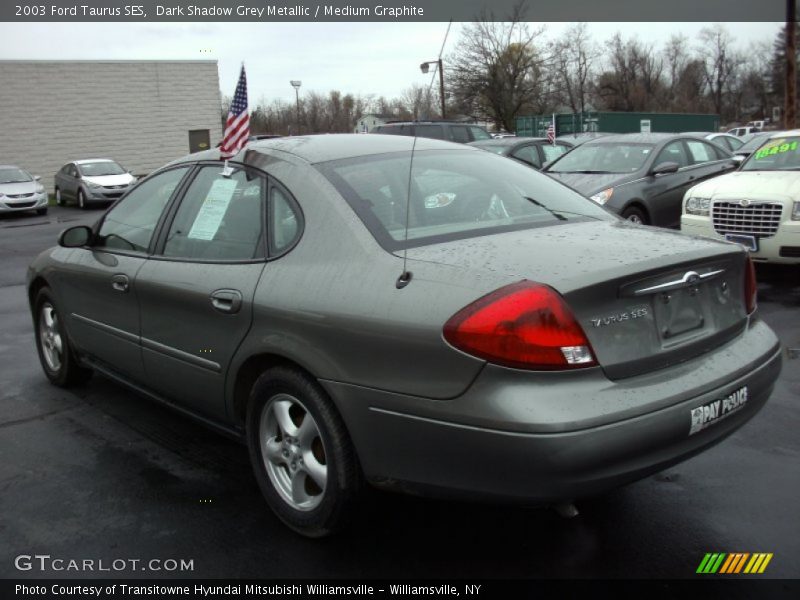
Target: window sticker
<point x="776" y="147"/>
<point x="214" y="207"/>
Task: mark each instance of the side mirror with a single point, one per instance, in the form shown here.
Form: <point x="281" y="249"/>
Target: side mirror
<point x="75" y="237"/>
<point x="664" y="168"/>
<point x="37" y="178"/>
<point x="738" y="159"/>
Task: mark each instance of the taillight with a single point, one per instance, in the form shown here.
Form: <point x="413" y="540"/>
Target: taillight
<point x="525" y="325"/>
<point x="750" y="286"/>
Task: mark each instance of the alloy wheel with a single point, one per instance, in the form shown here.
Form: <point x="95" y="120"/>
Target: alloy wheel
<point x="50" y="337"/>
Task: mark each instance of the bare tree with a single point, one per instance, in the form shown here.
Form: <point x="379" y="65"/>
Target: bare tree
<point x="574" y="56"/>
<point x="721" y="65"/>
<point x="632" y="80"/>
<point x="498" y="69"/>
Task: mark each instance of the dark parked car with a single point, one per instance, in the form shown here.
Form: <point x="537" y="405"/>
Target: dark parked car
<point x="534" y="152"/>
<point x="92" y="181"/>
<point x="452" y="131"/>
<point x="641" y="176"/>
<point x="466" y="327"/>
<point x="753" y="142"/>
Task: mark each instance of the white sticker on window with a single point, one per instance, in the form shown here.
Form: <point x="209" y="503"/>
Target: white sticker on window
<point x="214" y="207"/>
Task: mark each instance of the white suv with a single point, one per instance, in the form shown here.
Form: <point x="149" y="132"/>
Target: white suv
<point x="757" y="206"/>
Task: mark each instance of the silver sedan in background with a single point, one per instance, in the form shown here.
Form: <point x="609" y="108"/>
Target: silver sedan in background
<point x="414" y="314"/>
<point x="92" y="181"/>
<point x="21" y="191"/>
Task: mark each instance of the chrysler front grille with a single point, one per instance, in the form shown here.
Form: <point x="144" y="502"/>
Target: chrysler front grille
<point x="757" y="218"/>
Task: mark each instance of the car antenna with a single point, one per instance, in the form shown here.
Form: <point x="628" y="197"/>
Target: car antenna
<point x="406" y="275"/>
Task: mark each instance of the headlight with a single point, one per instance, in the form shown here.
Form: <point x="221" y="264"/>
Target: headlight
<point x="39" y="189"/>
<point x="93" y="186"/>
<point x="795" y="211"/>
<point x="698" y="206"/>
<point x="603" y="197"/>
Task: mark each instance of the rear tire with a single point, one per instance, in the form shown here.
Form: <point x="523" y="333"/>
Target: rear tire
<point x="635" y="215"/>
<point x="302" y="456"/>
<point x="55" y="354"/>
<point x="59" y="199"/>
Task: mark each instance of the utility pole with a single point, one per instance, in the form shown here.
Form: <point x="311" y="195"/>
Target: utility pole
<point x="790" y="104"/>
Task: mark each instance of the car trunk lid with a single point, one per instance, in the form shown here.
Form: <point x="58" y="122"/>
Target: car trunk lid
<point x="645" y="298"/>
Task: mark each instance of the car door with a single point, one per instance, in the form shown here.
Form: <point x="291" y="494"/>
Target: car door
<point x="664" y="193"/>
<point x="708" y="160"/>
<point x="196" y="295"/>
<point x="100" y="294"/>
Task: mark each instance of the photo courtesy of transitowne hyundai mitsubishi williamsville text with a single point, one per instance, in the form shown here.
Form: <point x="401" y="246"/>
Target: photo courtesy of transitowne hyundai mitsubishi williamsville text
<point x="288" y="11"/>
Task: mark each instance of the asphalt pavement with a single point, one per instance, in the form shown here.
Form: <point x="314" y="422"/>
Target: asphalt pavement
<point x="98" y="473"/>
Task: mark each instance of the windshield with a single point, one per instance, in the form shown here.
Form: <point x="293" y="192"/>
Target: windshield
<point x="753" y="143"/>
<point x="777" y="154"/>
<point x="97" y="169"/>
<point x="14" y="175"/>
<point x="612" y="157"/>
<point x="454" y="195"/>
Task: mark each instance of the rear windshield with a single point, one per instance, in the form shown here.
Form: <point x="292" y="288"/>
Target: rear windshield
<point x="454" y="195"/>
<point x="604" y="158"/>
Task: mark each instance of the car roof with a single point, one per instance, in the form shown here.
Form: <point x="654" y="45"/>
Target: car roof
<point x="11" y="167"/>
<point x="83" y="161"/>
<point x="335" y="146"/>
<point x="506" y="141"/>
<point x="639" y="138"/>
<point x="776" y="134"/>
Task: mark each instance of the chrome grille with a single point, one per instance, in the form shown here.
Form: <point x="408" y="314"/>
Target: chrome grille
<point x="15" y="196"/>
<point x="758" y="218"/>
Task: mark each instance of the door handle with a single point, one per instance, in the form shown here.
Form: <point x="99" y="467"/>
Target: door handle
<point x="226" y="301"/>
<point x="120" y="283"/>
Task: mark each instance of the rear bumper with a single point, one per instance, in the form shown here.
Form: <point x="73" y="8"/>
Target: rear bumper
<point x="545" y="440"/>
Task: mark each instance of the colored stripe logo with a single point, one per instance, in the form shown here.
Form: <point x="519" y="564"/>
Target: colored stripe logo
<point x="734" y="563"/>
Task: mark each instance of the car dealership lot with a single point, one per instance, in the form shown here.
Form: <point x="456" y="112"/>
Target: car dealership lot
<point x="99" y="473"/>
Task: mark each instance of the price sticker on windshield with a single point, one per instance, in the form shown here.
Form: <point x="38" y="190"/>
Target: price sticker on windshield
<point x="775" y="147"/>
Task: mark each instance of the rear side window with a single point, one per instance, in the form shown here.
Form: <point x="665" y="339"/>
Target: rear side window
<point x="284" y="220"/>
<point x="431" y="131"/>
<point x="478" y="133"/>
<point x="459" y="134"/>
<point x="528" y="154"/>
<point x="220" y="218"/>
<point x="395" y="130"/>
<point x="702" y="152"/>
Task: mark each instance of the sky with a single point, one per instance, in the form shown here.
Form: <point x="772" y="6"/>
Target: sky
<point x="380" y="59"/>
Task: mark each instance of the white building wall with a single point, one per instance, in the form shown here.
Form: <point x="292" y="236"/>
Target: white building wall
<point x="137" y="112"/>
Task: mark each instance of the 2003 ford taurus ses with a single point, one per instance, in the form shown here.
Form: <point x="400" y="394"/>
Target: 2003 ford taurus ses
<point x="411" y="313"/>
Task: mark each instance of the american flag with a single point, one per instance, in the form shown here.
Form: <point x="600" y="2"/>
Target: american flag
<point x="237" y="127"/>
<point x="551" y="132"/>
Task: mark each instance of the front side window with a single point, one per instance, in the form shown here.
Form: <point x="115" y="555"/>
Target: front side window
<point x="131" y="223"/>
<point x="673" y="152"/>
<point x="527" y="154"/>
<point x="604" y="158"/>
<point x="220" y="217"/>
<point x="459" y="133"/>
<point x="478" y="133"/>
<point x="454" y="194"/>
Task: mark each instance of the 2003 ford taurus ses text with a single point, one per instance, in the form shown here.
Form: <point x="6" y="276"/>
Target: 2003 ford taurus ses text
<point x="414" y="314"/>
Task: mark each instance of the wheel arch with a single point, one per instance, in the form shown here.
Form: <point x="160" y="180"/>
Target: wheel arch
<point x="639" y="205"/>
<point x="249" y="371"/>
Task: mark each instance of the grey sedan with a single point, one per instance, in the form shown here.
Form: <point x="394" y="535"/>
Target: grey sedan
<point x="21" y="191"/>
<point x="449" y="323"/>
<point x="641" y="176"/>
<point x="91" y="181"/>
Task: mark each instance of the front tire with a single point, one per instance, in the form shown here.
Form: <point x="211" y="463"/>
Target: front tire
<point x="59" y="199"/>
<point x="55" y="354"/>
<point x="302" y="456"/>
<point x="81" y="199"/>
<point x="635" y="215"/>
